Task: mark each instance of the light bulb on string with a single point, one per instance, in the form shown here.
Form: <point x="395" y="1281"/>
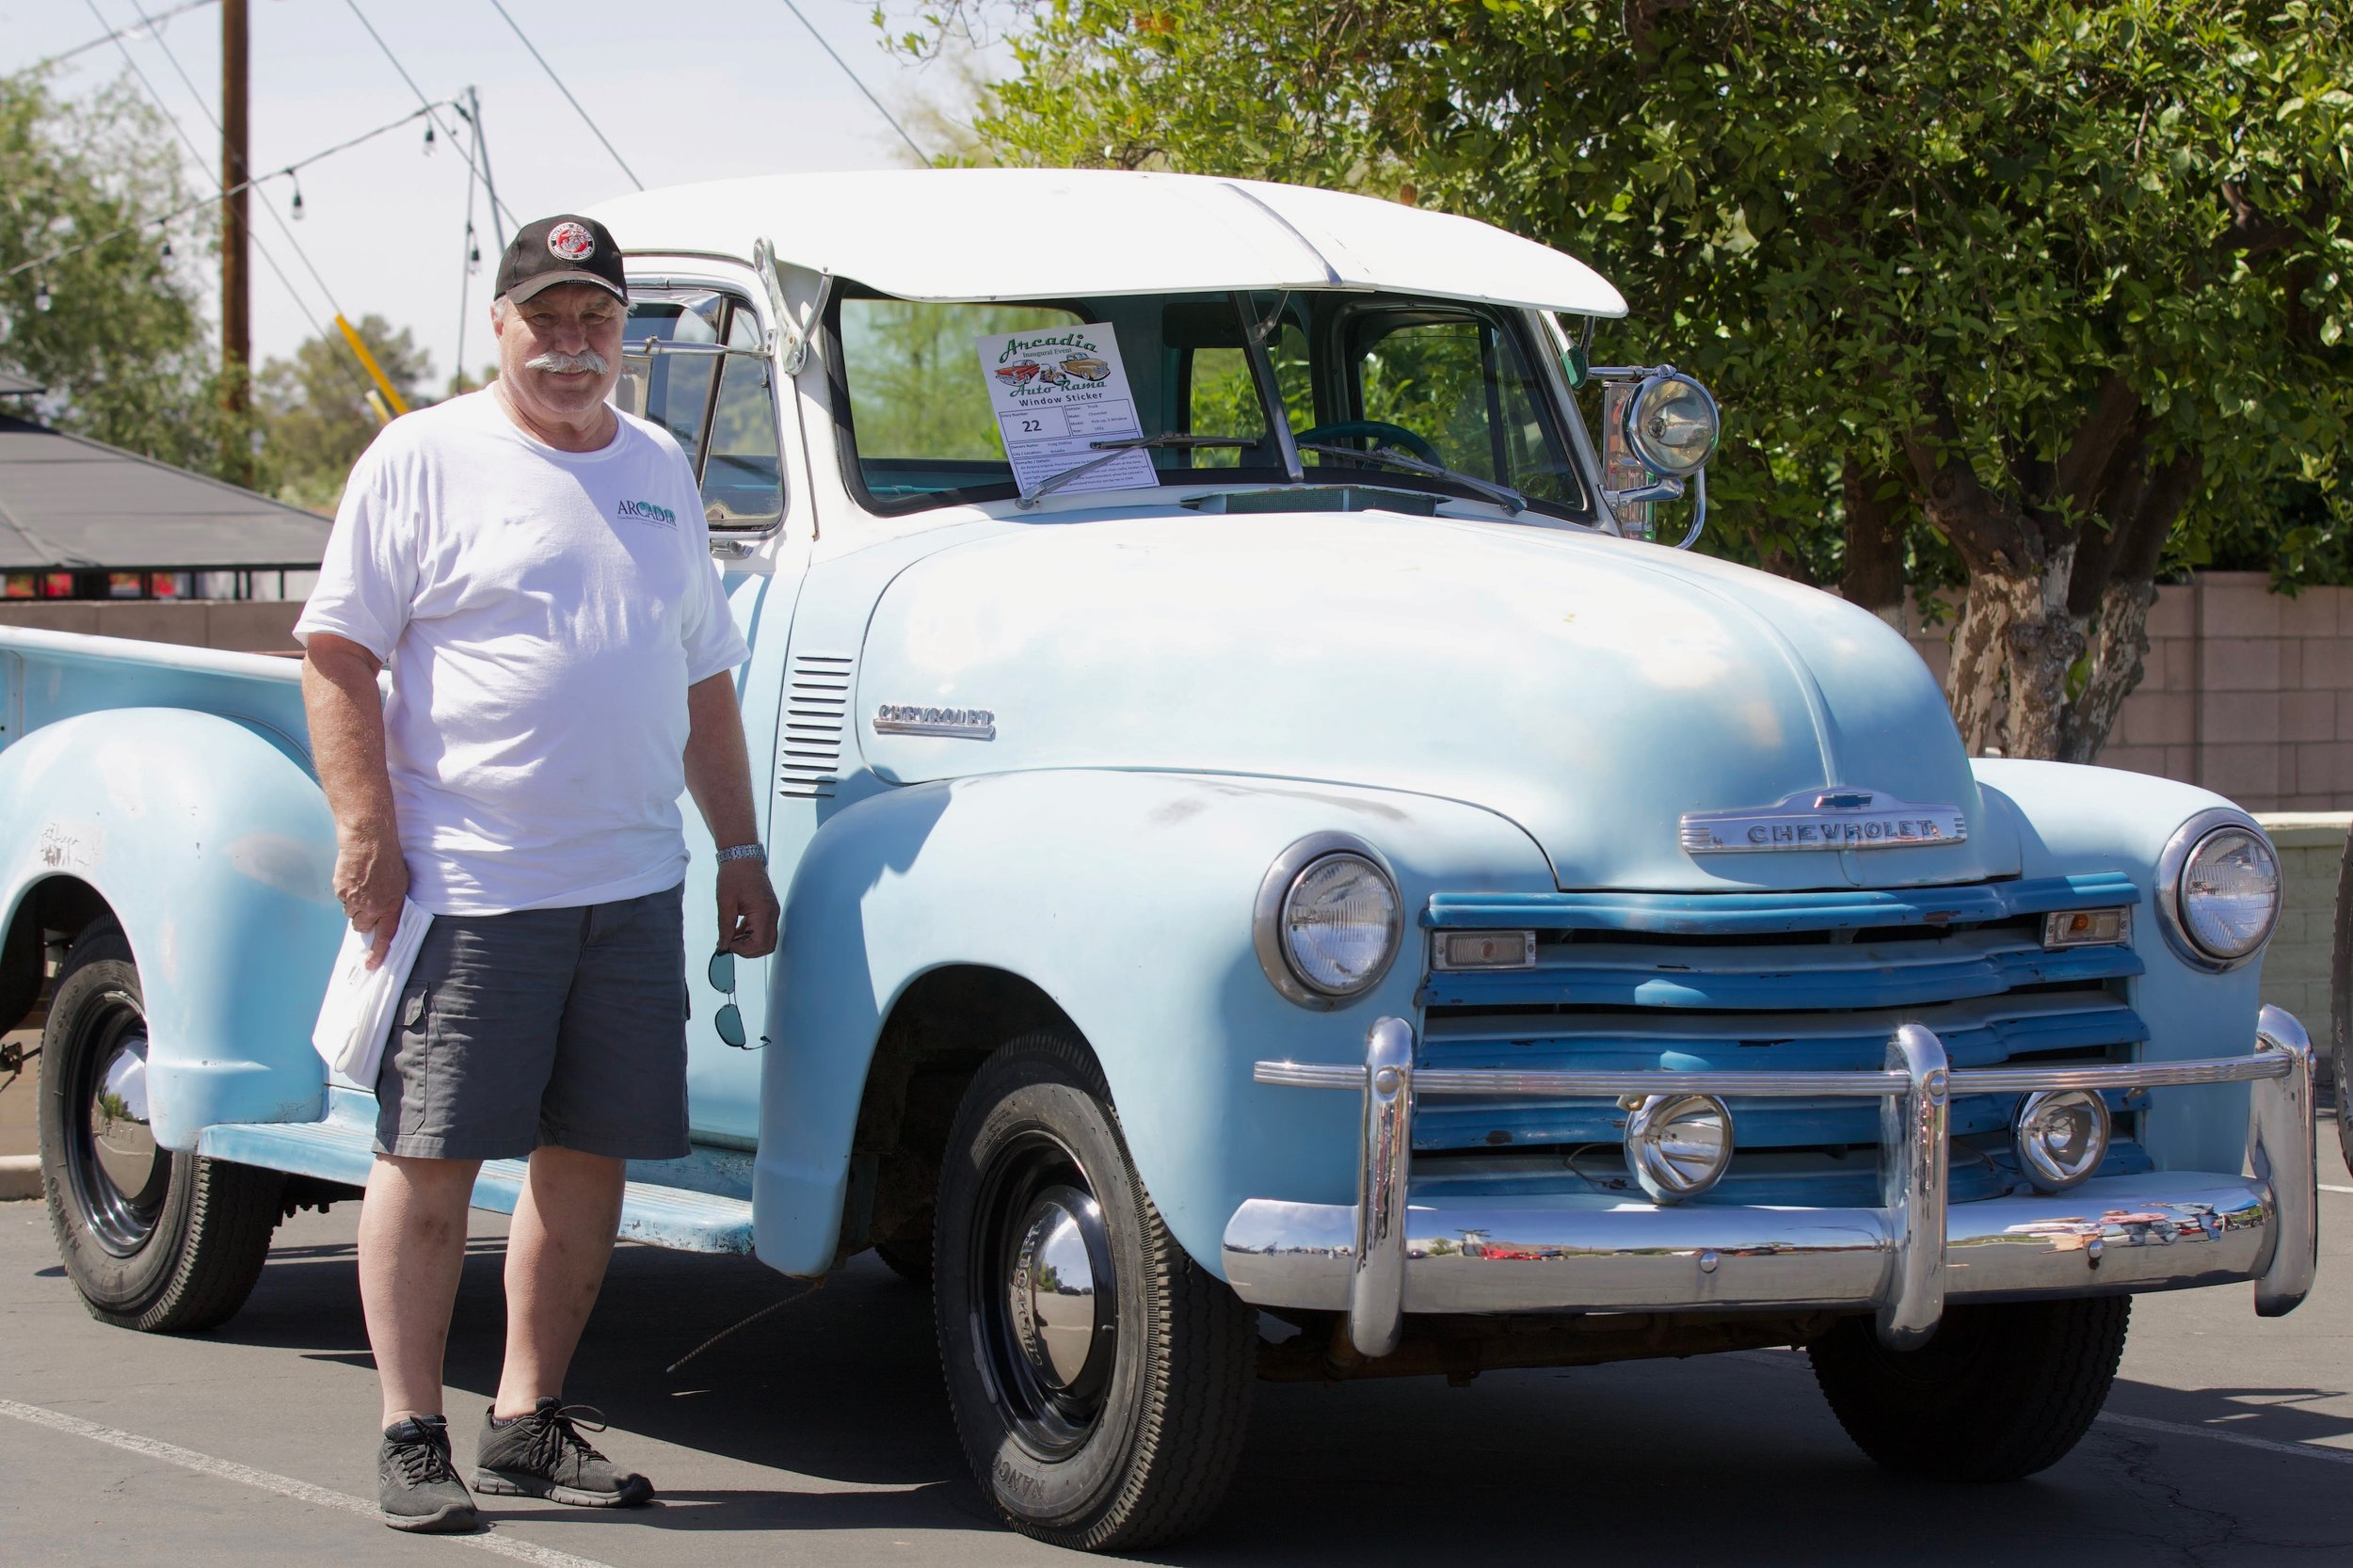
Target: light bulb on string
<point x="40" y="294"/>
<point x="473" y="252"/>
<point x="428" y="140"/>
<point x="295" y="206"/>
<point x="167" y="250"/>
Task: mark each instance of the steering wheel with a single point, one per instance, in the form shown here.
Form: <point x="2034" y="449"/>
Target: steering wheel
<point x="1418" y="445"/>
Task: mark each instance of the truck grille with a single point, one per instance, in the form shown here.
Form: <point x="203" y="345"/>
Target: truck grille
<point x="1805" y="981"/>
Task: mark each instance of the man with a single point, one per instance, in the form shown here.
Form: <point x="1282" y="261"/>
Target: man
<point x="535" y="569"/>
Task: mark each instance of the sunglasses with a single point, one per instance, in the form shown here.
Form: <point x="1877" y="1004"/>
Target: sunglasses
<point x="729" y="1021"/>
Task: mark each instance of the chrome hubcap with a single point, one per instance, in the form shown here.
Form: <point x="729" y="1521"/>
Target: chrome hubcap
<point x="1044" y="1297"/>
<point x="117" y="1172"/>
<point x="1051" y="1293"/>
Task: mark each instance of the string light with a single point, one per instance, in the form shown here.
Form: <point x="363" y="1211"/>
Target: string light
<point x="295" y="206"/>
<point x="428" y="140"/>
<point x="473" y="251"/>
<point x="40" y="294"/>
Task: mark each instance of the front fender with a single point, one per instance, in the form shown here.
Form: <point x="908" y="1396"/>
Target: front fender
<point x="212" y="844"/>
<point x="1127" y="898"/>
<point x="2079" y="819"/>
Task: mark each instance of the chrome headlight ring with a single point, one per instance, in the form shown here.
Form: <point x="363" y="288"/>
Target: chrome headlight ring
<point x="2172" y="868"/>
<point x="1269" y="918"/>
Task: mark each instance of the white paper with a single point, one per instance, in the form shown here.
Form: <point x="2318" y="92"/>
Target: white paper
<point x="1055" y="391"/>
<point x="358" y="1012"/>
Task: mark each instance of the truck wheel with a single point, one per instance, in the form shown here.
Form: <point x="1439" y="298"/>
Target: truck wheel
<point x="910" y="1261"/>
<point x="154" y="1239"/>
<point x="1099" y="1379"/>
<point x="2340" y="1042"/>
<point x="2001" y="1392"/>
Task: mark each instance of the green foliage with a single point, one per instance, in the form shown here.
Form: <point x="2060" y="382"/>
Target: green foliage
<point x="915" y="386"/>
<point x="1906" y="241"/>
<point x="314" y="408"/>
<point x="124" y="348"/>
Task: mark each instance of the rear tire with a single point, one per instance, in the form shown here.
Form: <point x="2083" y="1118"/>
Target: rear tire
<point x="1099" y="1378"/>
<point x="154" y="1239"/>
<point x="2000" y="1393"/>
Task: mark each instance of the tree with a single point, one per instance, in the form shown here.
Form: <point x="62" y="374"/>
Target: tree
<point x="123" y="347"/>
<point x="2033" y="291"/>
<point x="314" y="408"/>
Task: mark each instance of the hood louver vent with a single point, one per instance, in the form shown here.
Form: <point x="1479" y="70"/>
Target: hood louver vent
<point x="816" y="709"/>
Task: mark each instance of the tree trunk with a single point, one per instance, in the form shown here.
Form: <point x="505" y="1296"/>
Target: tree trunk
<point x="2119" y="641"/>
<point x="1973" y="686"/>
<point x="1874" y="574"/>
<point x="2044" y="644"/>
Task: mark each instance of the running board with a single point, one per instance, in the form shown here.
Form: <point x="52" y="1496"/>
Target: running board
<point x="688" y="1205"/>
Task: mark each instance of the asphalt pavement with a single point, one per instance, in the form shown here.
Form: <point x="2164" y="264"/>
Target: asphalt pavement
<point x="816" y="1433"/>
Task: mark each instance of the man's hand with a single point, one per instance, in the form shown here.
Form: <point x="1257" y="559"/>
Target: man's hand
<point x="371" y="881"/>
<point x="747" y="910"/>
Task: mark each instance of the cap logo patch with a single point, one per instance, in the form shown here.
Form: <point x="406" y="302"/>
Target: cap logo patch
<point x="571" y="242"/>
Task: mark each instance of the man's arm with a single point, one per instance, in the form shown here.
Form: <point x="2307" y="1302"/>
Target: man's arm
<point x="346" y="717"/>
<point x="719" y="777"/>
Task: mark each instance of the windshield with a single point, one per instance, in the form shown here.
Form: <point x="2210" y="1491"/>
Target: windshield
<point x="1451" y="384"/>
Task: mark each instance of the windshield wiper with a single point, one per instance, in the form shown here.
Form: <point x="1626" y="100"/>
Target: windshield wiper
<point x="1113" y="450"/>
<point x="1502" y="495"/>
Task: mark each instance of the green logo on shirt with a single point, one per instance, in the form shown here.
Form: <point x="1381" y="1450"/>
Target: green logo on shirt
<point x="646" y="511"/>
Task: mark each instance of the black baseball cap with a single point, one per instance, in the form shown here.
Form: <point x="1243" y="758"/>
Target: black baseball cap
<point x="566" y="248"/>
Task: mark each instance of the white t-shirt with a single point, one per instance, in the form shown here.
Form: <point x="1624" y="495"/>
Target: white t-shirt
<point x="542" y="613"/>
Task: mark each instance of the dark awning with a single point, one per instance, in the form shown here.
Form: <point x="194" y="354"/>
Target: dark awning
<point x="66" y="503"/>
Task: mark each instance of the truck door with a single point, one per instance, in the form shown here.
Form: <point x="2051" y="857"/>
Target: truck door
<point x="696" y="364"/>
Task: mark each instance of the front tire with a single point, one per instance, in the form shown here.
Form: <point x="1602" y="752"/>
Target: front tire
<point x="154" y="1239"/>
<point x="1099" y="1378"/>
<point x="2340" y="1042"/>
<point x="1998" y="1394"/>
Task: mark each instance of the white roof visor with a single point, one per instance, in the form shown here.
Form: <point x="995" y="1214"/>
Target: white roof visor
<point x="1031" y="233"/>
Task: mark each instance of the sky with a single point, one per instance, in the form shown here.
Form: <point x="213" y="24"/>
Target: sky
<point x="685" y="89"/>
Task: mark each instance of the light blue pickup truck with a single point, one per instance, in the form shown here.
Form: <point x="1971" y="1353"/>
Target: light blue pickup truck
<point x="1291" y="873"/>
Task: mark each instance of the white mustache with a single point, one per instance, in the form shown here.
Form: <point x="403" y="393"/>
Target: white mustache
<point x="591" y="361"/>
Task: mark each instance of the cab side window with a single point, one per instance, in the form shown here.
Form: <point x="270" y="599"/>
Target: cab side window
<point x="1460" y="383"/>
<point x="720" y="408"/>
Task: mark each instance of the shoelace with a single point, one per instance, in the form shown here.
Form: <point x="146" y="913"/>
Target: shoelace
<point x="555" y="1436"/>
<point x="423" y="1461"/>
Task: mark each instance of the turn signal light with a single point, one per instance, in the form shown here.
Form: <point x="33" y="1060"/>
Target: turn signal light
<point x="2088" y="928"/>
<point x="1486" y="950"/>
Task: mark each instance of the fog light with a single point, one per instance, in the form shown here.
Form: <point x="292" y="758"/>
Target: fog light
<point x="2088" y="928"/>
<point x="1678" y="1145"/>
<point x="2061" y="1137"/>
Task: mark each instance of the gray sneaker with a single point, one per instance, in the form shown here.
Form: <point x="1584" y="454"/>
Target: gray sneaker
<point x="543" y="1455"/>
<point x="416" y="1485"/>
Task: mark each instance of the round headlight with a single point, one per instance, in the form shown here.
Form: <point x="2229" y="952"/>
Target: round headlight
<point x="1678" y="1145"/>
<point x="2061" y="1136"/>
<point x="1672" y="424"/>
<point x="1340" y="924"/>
<point x="1328" y="920"/>
<point x="2230" y="892"/>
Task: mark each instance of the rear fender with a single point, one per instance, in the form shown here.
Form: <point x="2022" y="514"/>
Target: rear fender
<point x="211" y="844"/>
<point x="1125" y="898"/>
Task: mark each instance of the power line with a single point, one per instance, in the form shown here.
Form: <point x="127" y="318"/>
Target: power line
<point x="567" y="94"/>
<point x="853" y="75"/>
<point x="160" y="18"/>
<point x="214" y="120"/>
<point x="221" y="189"/>
<point x="186" y="207"/>
<point x="430" y="105"/>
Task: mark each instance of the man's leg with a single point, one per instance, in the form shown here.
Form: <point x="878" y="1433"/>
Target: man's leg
<point x="556" y="1252"/>
<point x="412" y="1246"/>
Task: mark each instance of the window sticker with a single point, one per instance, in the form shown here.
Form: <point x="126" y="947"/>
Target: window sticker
<point x="1055" y="395"/>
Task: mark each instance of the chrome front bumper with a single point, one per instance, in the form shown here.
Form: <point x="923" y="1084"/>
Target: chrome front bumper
<point x="1384" y="1255"/>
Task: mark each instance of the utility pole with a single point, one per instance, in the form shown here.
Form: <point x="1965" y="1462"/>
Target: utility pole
<point x="236" y="331"/>
<point x="474" y="115"/>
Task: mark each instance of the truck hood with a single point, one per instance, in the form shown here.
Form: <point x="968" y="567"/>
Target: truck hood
<point x="1589" y="689"/>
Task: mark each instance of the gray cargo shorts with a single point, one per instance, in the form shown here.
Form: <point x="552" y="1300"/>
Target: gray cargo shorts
<point x="542" y="1027"/>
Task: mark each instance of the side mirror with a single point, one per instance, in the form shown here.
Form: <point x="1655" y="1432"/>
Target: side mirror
<point x="1659" y="427"/>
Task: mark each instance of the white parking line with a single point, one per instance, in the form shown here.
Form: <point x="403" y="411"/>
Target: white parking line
<point x="285" y="1486"/>
<point x="2176" y="1428"/>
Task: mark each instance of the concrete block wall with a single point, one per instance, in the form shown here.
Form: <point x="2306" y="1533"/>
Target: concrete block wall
<point x="2244" y="692"/>
<point x="2295" y="966"/>
<point x="240" y="625"/>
